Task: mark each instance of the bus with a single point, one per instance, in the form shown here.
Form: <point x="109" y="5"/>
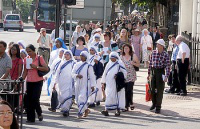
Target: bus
<point x="44" y="15"/>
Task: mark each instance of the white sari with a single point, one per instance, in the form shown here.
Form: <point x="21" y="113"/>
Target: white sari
<point x="65" y="84"/>
<point x="83" y="85"/>
<point x="114" y="99"/>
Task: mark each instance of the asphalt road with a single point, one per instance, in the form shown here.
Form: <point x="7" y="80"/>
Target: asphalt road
<point x="177" y="112"/>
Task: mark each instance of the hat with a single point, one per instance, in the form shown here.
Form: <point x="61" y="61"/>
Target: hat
<point x="161" y="42"/>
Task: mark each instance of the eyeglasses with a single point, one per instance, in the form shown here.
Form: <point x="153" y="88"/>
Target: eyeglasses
<point x="6" y="113"/>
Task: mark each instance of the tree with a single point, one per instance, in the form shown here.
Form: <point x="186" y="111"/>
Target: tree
<point x="24" y="8"/>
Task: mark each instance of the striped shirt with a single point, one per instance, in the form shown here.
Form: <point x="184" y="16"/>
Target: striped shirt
<point x="160" y="60"/>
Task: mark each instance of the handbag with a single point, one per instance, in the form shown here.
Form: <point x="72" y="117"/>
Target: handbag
<point x="54" y="100"/>
<point x="148" y="92"/>
<point x="149" y="48"/>
<point x="135" y="67"/>
<point x="42" y="73"/>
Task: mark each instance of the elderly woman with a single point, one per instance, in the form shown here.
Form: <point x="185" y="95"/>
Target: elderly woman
<point x="83" y="75"/>
<point x="77" y="33"/>
<point x="135" y="42"/>
<point x="65" y="83"/>
<point x="114" y="100"/>
<point x="7" y="116"/>
<point x="147" y="47"/>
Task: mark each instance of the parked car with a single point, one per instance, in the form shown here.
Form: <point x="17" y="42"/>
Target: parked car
<point x="74" y="24"/>
<point x="13" y="21"/>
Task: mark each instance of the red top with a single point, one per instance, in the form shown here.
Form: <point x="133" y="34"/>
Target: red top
<point x="15" y="68"/>
<point x="32" y="74"/>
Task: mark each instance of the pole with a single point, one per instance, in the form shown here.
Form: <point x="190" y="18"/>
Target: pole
<point x="58" y="7"/>
<point x="70" y="32"/>
<point x="65" y="19"/>
<point x="105" y="9"/>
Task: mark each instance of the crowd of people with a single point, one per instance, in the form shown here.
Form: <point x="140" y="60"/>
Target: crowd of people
<point x="97" y="66"/>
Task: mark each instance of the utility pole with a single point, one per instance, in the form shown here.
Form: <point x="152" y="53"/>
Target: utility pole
<point x="65" y="19"/>
<point x="105" y="10"/>
<point x="58" y="9"/>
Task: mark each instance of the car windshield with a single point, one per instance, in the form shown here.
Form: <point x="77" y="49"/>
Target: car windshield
<point x="46" y="12"/>
<point x="68" y="26"/>
<point x="12" y="17"/>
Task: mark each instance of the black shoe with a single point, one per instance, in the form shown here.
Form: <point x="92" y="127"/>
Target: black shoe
<point x="28" y="121"/>
<point x="152" y="107"/>
<point x="105" y="113"/>
<point x="178" y="93"/>
<point x="40" y="118"/>
<point x="183" y="94"/>
<point x="157" y="111"/>
<point x="117" y="113"/>
<point x="66" y="114"/>
<point x="52" y="110"/>
<point x="91" y="105"/>
<point x="98" y="103"/>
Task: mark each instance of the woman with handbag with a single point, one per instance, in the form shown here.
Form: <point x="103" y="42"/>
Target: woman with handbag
<point x="147" y="47"/>
<point x="33" y="67"/>
<point x="131" y="63"/>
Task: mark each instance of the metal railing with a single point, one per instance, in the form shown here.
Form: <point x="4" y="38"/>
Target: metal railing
<point x="194" y="45"/>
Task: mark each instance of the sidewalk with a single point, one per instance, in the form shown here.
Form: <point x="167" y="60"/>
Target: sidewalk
<point x="173" y="105"/>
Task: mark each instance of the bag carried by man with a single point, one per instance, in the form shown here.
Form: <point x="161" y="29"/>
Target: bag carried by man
<point x="148" y="92"/>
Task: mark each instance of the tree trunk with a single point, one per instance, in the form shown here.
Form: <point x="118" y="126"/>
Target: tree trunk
<point x="126" y="8"/>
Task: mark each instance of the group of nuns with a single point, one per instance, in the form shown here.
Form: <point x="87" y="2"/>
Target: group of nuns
<point x="85" y="79"/>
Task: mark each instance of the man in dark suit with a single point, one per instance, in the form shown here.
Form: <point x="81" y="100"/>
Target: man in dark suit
<point x="155" y="36"/>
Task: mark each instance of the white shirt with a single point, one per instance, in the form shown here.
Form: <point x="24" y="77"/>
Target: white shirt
<point x="45" y="41"/>
<point x="183" y="48"/>
<point x="146" y="41"/>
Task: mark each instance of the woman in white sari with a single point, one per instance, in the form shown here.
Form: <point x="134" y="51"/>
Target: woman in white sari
<point x="85" y="82"/>
<point x="114" y="100"/>
<point x="65" y="83"/>
<point x="96" y="61"/>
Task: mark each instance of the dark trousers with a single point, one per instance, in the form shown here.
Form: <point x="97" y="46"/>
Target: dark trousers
<point x="175" y="86"/>
<point x="129" y="93"/>
<point x="157" y="85"/>
<point x="33" y="99"/>
<point x="182" y="73"/>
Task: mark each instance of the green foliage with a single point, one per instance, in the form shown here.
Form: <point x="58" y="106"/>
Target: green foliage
<point x="24" y="8"/>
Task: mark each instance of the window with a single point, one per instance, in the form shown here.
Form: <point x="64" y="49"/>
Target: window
<point x="12" y="17"/>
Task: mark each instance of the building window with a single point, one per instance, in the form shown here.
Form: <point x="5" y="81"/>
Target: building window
<point x="7" y="3"/>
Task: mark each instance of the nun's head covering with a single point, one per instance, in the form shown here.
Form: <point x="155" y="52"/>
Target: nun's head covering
<point x="116" y="56"/>
<point x="93" y="48"/>
<point x="85" y="54"/>
<point x="24" y="52"/>
<point x="70" y="53"/>
<point x="62" y="44"/>
<point x="22" y="44"/>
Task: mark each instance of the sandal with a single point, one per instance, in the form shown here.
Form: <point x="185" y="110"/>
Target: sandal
<point x="132" y="107"/>
<point x="87" y="111"/>
<point x="117" y="113"/>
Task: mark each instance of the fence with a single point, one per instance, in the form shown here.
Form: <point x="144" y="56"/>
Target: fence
<point x="194" y="45"/>
<point x="12" y="91"/>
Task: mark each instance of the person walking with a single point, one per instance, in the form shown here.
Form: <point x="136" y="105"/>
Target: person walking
<point x="45" y="45"/>
<point x="159" y="63"/>
<point x="130" y="60"/>
<point x="147" y="47"/>
<point x="34" y="82"/>
<point x="155" y="36"/>
<point x="123" y="38"/>
<point x="135" y="42"/>
<point x="76" y="34"/>
<point x="183" y="63"/>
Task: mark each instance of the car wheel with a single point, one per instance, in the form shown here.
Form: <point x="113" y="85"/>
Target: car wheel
<point x="38" y="30"/>
<point x="5" y="29"/>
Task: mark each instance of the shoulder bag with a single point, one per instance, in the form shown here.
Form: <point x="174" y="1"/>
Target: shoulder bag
<point x="42" y="73"/>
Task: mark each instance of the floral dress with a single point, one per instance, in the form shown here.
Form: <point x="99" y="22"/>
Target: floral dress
<point x="131" y="73"/>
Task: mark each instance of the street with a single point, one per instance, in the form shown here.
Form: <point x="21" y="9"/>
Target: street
<point x="178" y="112"/>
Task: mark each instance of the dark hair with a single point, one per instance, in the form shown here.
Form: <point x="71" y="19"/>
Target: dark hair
<point x="173" y="36"/>
<point x="14" y="124"/>
<point x="130" y="48"/>
<point x="107" y="34"/>
<point x="31" y="46"/>
<point x="4" y="43"/>
<point x="18" y="50"/>
<point x="82" y="39"/>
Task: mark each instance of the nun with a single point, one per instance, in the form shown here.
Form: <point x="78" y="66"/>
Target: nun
<point x="65" y="82"/>
<point x="55" y="50"/>
<point x="51" y="80"/>
<point x="114" y="100"/>
<point x="85" y="83"/>
<point x="96" y="40"/>
<point x="96" y="61"/>
<point x="22" y="44"/>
